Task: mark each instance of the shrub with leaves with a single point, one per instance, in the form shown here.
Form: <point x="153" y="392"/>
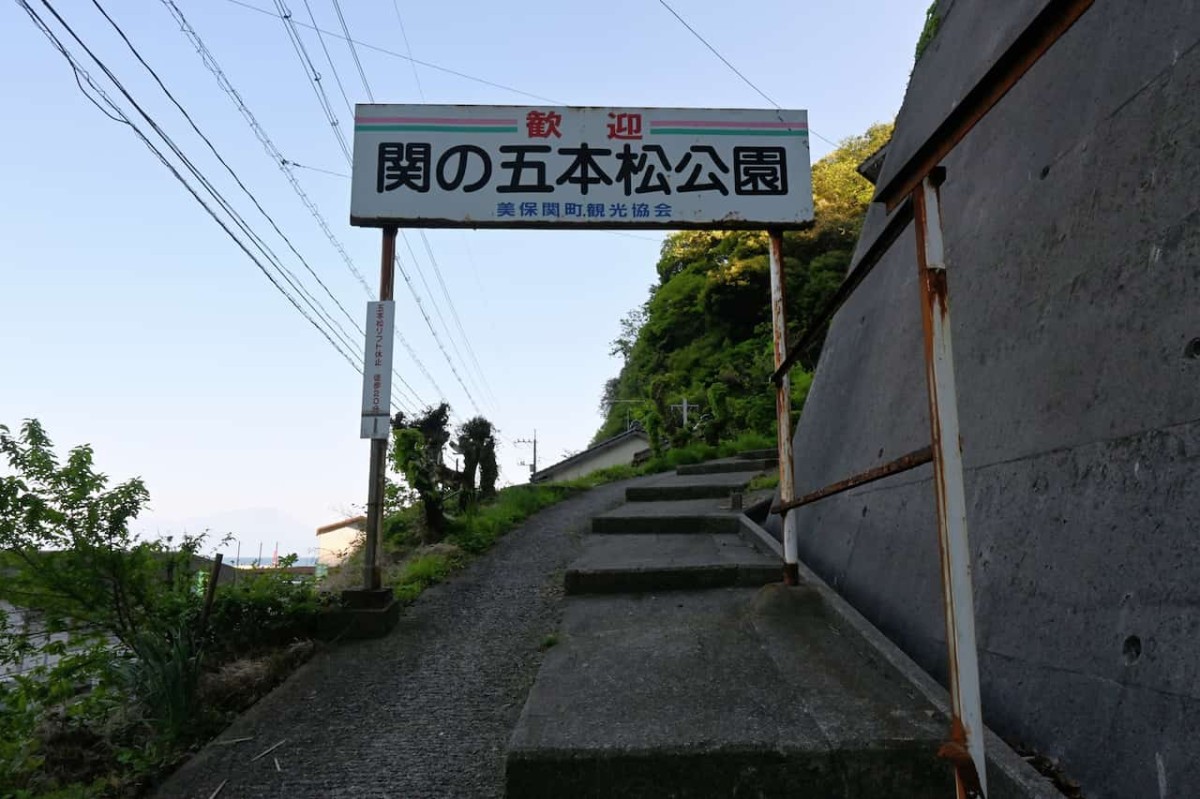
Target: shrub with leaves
<point x="261" y="611"/>
<point x="101" y="641"/>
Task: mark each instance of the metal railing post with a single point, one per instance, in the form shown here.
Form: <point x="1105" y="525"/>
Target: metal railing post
<point x="783" y="411"/>
<point x="965" y="747"/>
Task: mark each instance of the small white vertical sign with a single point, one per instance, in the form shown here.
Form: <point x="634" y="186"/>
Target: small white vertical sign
<point x="377" y="370"/>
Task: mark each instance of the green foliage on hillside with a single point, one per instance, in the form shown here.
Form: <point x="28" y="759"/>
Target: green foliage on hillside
<point x="705" y="331"/>
<point x="933" y="21"/>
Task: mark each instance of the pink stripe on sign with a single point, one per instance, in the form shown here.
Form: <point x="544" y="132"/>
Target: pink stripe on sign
<point x="701" y="123"/>
<point x="430" y="121"/>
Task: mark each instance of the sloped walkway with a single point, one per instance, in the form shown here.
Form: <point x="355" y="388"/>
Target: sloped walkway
<point x="686" y="669"/>
<point x="424" y="712"/>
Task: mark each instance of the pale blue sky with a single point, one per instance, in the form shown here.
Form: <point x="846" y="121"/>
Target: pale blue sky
<point x="130" y="321"/>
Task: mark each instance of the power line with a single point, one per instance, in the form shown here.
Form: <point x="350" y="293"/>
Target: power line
<point x="212" y="148"/>
<point x="713" y="50"/>
<point x="337" y="78"/>
<point x="735" y="70"/>
<point x="482" y="384"/>
<point x="408" y="50"/>
<point x="314" y="79"/>
<point x="457" y="321"/>
<point x="417" y="264"/>
<point x="298" y="165"/>
<point x="236" y="217"/>
<point x="284" y="164"/>
<point x="403" y="57"/>
<point x="162" y="158"/>
<point x="210" y="62"/>
<point x="343" y="346"/>
<point x="337" y="6"/>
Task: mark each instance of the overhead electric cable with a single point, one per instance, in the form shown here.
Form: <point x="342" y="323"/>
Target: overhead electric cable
<point x="116" y="112"/>
<point x="284" y="164"/>
<point x="481" y="385"/>
<point x="408" y="50"/>
<point x="219" y="198"/>
<point x="394" y="54"/>
<point x="735" y="70"/>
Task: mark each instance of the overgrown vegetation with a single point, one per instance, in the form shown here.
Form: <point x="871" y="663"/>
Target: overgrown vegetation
<point x="933" y="21"/>
<point x="416" y="558"/>
<point x="704" y="334"/>
<point x="113" y="669"/>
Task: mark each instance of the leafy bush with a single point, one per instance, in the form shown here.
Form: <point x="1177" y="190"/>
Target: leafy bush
<point x="261" y="611"/>
<point x="119" y="651"/>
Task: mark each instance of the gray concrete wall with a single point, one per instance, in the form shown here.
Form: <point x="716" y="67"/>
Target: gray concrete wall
<point x="1072" y="217"/>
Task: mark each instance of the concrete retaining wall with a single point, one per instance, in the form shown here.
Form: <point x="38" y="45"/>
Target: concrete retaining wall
<point x="1072" y="217"/>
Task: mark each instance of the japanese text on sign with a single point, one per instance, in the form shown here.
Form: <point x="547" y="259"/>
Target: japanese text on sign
<point x="505" y="166"/>
<point x="377" y="370"/>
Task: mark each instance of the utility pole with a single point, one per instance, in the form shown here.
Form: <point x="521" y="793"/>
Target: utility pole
<point x="533" y="467"/>
<point x="628" y="413"/>
<point x="684" y="405"/>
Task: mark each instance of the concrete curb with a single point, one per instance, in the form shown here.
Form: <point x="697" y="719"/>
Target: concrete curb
<point x="667" y="578"/>
<point x="722" y="467"/>
<point x="1009" y="776"/>
<point x="647" y="525"/>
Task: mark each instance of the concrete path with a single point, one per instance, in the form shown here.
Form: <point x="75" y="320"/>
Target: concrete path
<point x="686" y="669"/>
<point x="424" y="712"/>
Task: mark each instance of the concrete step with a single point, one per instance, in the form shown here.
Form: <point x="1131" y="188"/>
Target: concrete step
<point x="728" y="465"/>
<point x="719" y="693"/>
<point x="770" y="454"/>
<point x="693" y="516"/>
<point x="702" y="486"/>
<point x="613" y="564"/>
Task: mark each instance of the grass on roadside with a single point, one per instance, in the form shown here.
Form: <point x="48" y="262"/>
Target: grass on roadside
<point x="477" y="529"/>
<point x="764" y="481"/>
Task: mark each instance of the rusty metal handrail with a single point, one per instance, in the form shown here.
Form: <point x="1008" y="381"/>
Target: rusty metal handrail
<point x="914" y="188"/>
<point x="904" y="463"/>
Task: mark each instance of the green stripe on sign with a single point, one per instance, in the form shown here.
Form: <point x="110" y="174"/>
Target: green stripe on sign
<point x="725" y="132"/>
<point x="437" y="128"/>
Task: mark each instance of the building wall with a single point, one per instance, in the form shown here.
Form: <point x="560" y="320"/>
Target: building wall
<point x="334" y="547"/>
<point x="618" y="455"/>
<point x="1073" y="240"/>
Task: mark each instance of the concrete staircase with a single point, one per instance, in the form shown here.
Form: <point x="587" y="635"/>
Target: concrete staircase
<point x="686" y="669"/>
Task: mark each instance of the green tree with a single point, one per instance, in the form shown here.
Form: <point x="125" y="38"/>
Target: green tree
<point x="417" y="447"/>
<point x="473" y="437"/>
<point x="489" y="471"/>
<point x="707" y="322"/>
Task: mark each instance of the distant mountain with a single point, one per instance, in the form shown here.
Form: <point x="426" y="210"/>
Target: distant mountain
<point x="251" y="527"/>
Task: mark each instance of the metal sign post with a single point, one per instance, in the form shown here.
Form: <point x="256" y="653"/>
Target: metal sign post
<point x="377" y="402"/>
<point x="547" y="167"/>
<point x="965" y="747"/>
<point x="783" y="410"/>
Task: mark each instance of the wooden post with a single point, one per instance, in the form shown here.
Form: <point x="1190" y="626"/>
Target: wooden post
<point x="372" y="579"/>
<point x="210" y="593"/>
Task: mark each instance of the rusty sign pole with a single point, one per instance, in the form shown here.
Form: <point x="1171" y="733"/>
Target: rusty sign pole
<point x="965" y="747"/>
<point x="783" y="410"/>
<point x="374" y="534"/>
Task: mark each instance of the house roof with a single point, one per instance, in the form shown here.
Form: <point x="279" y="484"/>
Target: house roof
<point x="606" y="444"/>
<point x="357" y="522"/>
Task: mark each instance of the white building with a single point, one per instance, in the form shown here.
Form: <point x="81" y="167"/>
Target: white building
<point x="336" y="541"/>
<point x="620" y="450"/>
